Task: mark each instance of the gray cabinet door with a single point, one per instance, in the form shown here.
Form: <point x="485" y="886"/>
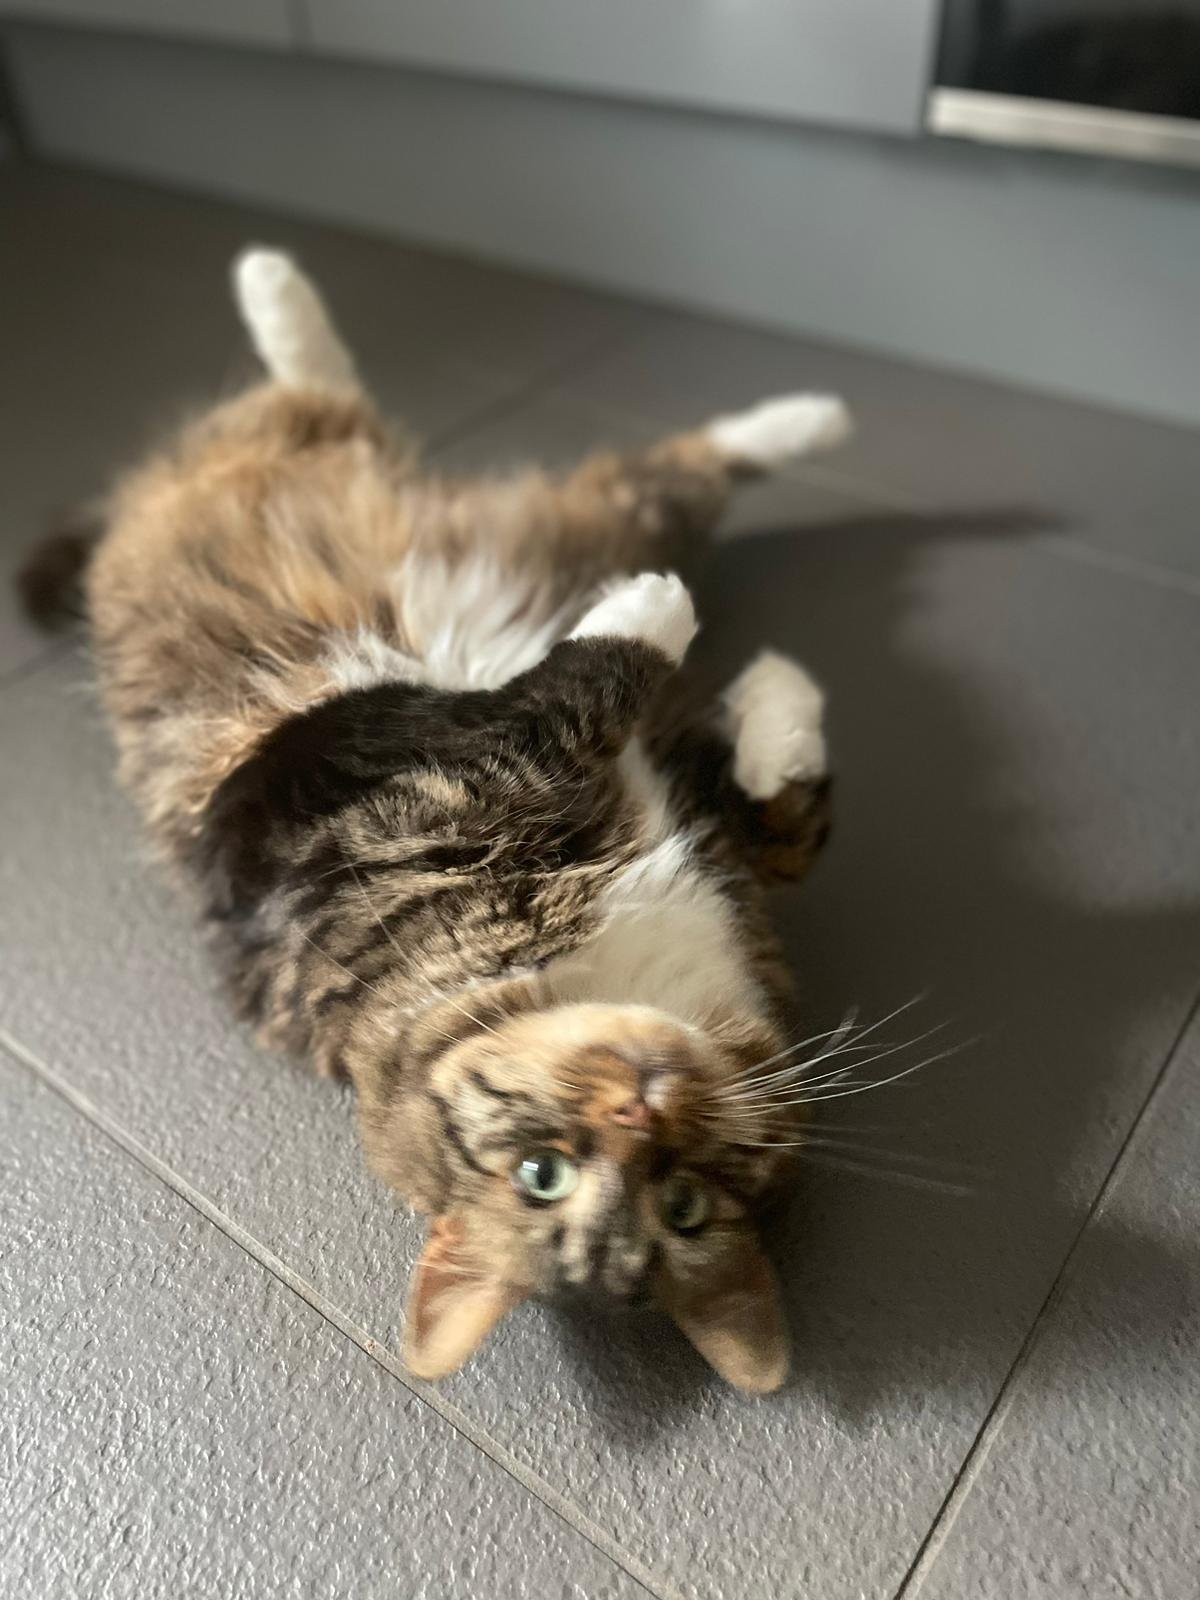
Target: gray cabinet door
<point x="251" y="21"/>
<point x="862" y="63"/>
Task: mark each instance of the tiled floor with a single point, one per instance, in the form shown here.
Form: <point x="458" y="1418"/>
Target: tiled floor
<point x="996" y="1393"/>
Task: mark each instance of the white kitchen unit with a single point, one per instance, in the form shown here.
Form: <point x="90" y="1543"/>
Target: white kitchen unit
<point x="856" y="63"/>
<point x="255" y="22"/>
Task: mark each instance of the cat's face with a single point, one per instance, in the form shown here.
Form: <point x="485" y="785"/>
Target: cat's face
<point x="588" y="1152"/>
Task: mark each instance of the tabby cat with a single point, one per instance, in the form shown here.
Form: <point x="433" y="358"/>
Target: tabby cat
<point x="412" y="743"/>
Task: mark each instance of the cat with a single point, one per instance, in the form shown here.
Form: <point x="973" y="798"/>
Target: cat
<point x="414" y="746"/>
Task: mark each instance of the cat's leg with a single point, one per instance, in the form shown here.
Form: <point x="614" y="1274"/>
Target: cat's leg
<point x="654" y="609"/>
<point x="288" y="324"/>
<point x="644" y="503"/>
<point x="768" y="435"/>
<point x="588" y="694"/>
<point x="756" y="764"/>
<point x="773" y="716"/>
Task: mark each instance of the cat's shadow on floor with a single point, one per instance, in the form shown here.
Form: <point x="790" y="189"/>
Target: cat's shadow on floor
<point x="953" y="870"/>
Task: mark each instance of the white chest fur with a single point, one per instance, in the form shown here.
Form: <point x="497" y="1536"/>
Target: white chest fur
<point x="667" y="936"/>
<point x="473" y="625"/>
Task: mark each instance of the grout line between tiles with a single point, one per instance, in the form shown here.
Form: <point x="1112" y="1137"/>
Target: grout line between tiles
<point x="860" y="489"/>
<point x="867" y="493"/>
<point x="528" y="389"/>
<point x="990" y="1428"/>
<point x="1063" y="546"/>
<point x="535" y="1485"/>
<point x="1071" y="548"/>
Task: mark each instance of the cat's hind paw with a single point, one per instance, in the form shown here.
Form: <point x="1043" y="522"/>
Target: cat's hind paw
<point x="288" y="322"/>
<point x="654" y="607"/>
<point x="775" y="431"/>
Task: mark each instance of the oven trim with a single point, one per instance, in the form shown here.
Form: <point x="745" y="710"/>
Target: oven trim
<point x="1060" y="125"/>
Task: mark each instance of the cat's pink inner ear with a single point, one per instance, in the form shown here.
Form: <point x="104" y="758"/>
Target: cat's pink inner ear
<point x="736" y="1322"/>
<point x="453" y="1305"/>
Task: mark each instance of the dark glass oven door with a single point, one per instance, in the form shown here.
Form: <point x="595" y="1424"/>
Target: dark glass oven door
<point x="1117" y="76"/>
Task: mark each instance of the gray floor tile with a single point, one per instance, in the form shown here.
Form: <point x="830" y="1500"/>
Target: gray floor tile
<point x="1090" y="1487"/>
<point x="116" y="317"/>
<point x="933" y="439"/>
<point x="388" y="296"/>
<point x="176" y="1423"/>
<point x="1016" y="743"/>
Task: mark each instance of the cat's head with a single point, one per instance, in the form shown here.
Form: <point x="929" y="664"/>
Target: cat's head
<point x="597" y="1149"/>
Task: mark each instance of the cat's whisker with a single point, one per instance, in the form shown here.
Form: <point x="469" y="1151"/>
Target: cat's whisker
<point x="895" y="1077"/>
<point x="740" y="1084"/>
<point x="333" y="960"/>
<point x="748" y="1075"/>
<point x="787" y="1075"/>
<point x="448" y="999"/>
<point x="755" y="1078"/>
<point x="751" y="1075"/>
<point x="856" y="1127"/>
<point x="804" y="1083"/>
<point x="797" y="1073"/>
<point x="778" y="1108"/>
<point x="864" y="1169"/>
<point x="901" y="1158"/>
<point x="370" y="905"/>
<point x="788" y="1089"/>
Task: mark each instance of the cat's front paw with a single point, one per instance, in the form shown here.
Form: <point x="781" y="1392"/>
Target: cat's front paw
<point x="776" y="431"/>
<point x="775" y="717"/>
<point x="654" y="607"/>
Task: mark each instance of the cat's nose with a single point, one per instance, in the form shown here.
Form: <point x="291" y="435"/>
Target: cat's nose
<point x="634" y="1114"/>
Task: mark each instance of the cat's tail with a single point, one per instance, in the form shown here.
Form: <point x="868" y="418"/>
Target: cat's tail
<point x="51" y="582"/>
<point x="288" y="323"/>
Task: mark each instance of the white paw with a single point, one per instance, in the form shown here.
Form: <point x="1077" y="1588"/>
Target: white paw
<point x="774" y="714"/>
<point x="654" y="607"/>
<point x="774" y="431"/>
<point x="287" y="321"/>
<point x="266" y="285"/>
<point x="258" y="271"/>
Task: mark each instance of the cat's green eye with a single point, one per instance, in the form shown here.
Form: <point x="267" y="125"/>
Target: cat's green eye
<point x="547" y="1175"/>
<point x="684" y="1204"/>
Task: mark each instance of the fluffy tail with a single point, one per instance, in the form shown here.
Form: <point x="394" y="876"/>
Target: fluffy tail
<point x="288" y="323"/>
<point x="50" y="584"/>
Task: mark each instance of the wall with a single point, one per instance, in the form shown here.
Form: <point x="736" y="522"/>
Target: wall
<point x="1063" y="273"/>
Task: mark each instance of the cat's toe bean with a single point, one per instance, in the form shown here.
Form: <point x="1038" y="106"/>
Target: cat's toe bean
<point x="654" y="607"/>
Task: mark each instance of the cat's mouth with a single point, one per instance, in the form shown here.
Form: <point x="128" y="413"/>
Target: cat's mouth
<point x="588" y="1299"/>
<point x="607" y="1282"/>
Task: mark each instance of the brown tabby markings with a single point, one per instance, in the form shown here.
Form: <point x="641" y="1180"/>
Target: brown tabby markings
<point x="389" y="872"/>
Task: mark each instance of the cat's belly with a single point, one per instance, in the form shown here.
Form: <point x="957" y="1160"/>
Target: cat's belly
<point x="471" y="624"/>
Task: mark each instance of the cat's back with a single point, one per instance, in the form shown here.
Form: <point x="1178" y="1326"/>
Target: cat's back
<point x="286" y="550"/>
<point x="228" y="562"/>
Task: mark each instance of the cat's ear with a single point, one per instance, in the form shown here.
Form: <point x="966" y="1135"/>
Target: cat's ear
<point x="735" y="1320"/>
<point x="453" y="1304"/>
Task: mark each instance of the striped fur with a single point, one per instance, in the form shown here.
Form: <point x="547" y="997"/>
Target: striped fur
<point x="450" y="844"/>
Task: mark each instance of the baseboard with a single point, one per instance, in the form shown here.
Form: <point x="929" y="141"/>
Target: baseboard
<point x="1064" y="274"/>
